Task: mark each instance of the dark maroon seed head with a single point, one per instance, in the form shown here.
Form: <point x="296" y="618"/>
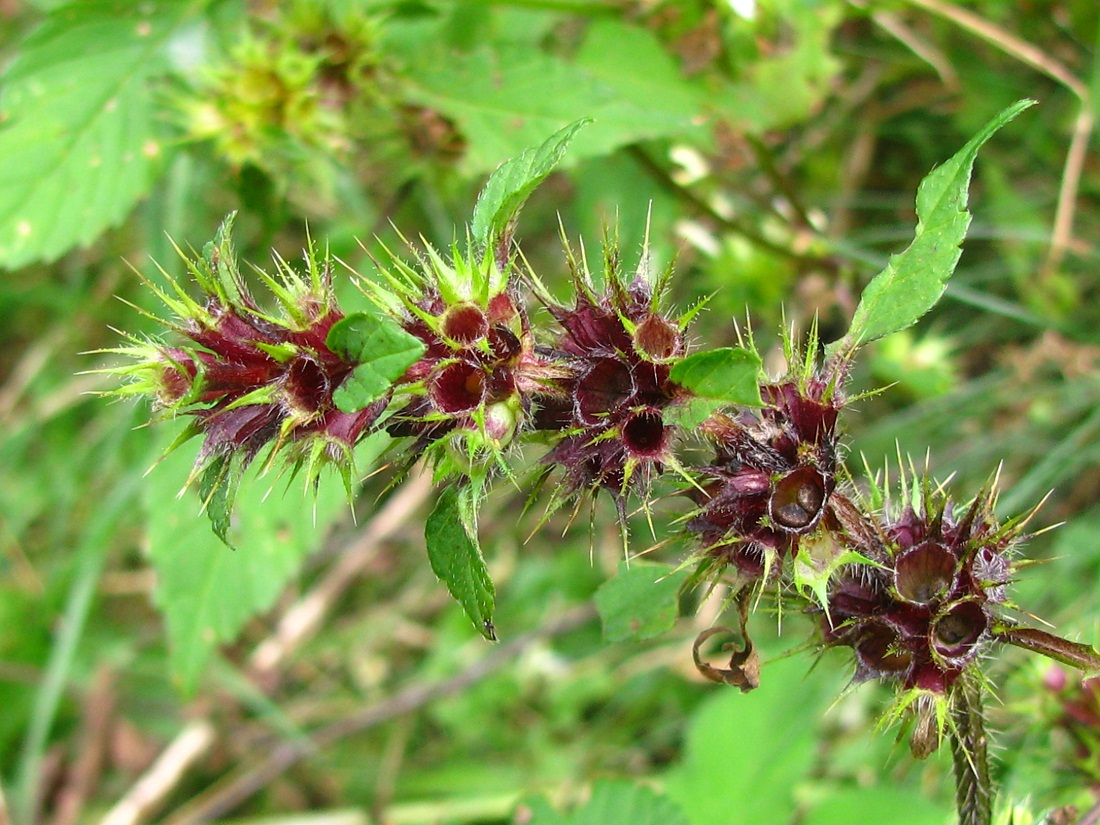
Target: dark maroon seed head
<point x="643" y="433"/>
<point x="908" y="530"/>
<point x="925" y="573"/>
<point x="798" y="499"/>
<point x="307" y="385"/>
<point x="880" y="650"/>
<point x="349" y="427"/>
<point x="603" y="389"/>
<point x="657" y="339"/>
<point x="931" y="677"/>
<point x="465" y="323"/>
<point x="177" y="377"/>
<point x="457" y="387"/>
<point x="956" y="632"/>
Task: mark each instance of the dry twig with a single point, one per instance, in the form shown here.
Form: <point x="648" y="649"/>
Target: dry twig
<point x="1062" y="232"/>
<point x="298" y="624"/>
<point x="237" y="789"/>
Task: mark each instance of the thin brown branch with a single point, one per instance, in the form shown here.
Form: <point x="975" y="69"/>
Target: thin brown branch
<point x="84" y="777"/>
<point x="1062" y="235"/>
<point x="1007" y="42"/>
<point x="701" y="206"/>
<point x="1062" y="230"/>
<point x="296" y="626"/>
<point x="164" y="776"/>
<point x="245" y="783"/>
<point x="1091" y="817"/>
<point x="926" y="51"/>
<point x="304" y="617"/>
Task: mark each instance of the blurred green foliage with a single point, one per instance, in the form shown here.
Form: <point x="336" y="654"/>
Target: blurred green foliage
<point x="773" y="150"/>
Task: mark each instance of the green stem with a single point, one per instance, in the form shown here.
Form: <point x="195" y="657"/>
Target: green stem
<point x="973" y="786"/>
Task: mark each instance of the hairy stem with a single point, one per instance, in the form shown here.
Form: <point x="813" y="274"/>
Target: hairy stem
<point x="973" y="786"/>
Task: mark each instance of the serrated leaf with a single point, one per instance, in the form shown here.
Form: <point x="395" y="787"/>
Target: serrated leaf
<point x="538" y="811"/>
<point x="513" y="182"/>
<point x="641" y="602"/>
<point x="730" y="375"/>
<point x="455" y="556"/>
<point x="613" y="802"/>
<point x="218" y="490"/>
<point x="79" y="137"/>
<point x="382" y="351"/>
<point x="766" y="739"/>
<point x="624" y="803"/>
<point x="914" y="280"/>
<point x="506" y="98"/>
<point x="206" y="591"/>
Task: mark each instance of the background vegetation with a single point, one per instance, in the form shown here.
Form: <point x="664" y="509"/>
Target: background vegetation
<point x="774" y="149"/>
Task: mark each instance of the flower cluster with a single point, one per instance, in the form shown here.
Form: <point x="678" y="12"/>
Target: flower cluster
<point x="249" y="377"/>
<point x="451" y="363"/>
<point x="481" y="374"/>
<point x="774" y="470"/>
<point x="611" y="410"/>
<point x="926" y="600"/>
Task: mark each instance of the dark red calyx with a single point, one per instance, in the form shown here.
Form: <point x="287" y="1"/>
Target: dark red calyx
<point x="957" y="630"/>
<point x="644" y="433"/>
<point x="465" y="323"/>
<point x="798" y="500"/>
<point x="603" y="389"/>
<point x="657" y="339"/>
<point x="881" y="651"/>
<point x="925" y="573"/>
<point x="457" y="387"/>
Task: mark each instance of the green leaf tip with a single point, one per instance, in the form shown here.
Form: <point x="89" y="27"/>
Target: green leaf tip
<point x="450" y="534"/>
<point x="382" y="351"/>
<point x="513" y="182"/>
<point x="727" y="375"/>
<point x="218" y="489"/>
<point x="914" y="280"/>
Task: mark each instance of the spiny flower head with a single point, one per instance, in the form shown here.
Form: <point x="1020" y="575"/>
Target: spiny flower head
<point x="471" y="391"/>
<point x="249" y="377"/>
<point x="619" y="348"/>
<point x="926" y="611"/>
<point x="774" y="468"/>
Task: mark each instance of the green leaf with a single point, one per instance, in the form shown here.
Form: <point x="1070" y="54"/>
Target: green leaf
<point x="641" y="602"/>
<point x="898" y="806"/>
<point x="79" y="138"/>
<point x="206" y="591"/>
<point x="382" y="350"/>
<point x="218" y="489"/>
<point x="728" y="375"/>
<point x="613" y="802"/>
<point x="451" y="537"/>
<point x="780" y="88"/>
<point x="506" y="98"/>
<point x="624" y="803"/>
<point x="538" y="811"/>
<point x="514" y="180"/>
<point x="914" y="280"/>
<point x="766" y="739"/>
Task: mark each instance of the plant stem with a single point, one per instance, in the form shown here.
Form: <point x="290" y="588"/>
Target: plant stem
<point x="973" y="787"/>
